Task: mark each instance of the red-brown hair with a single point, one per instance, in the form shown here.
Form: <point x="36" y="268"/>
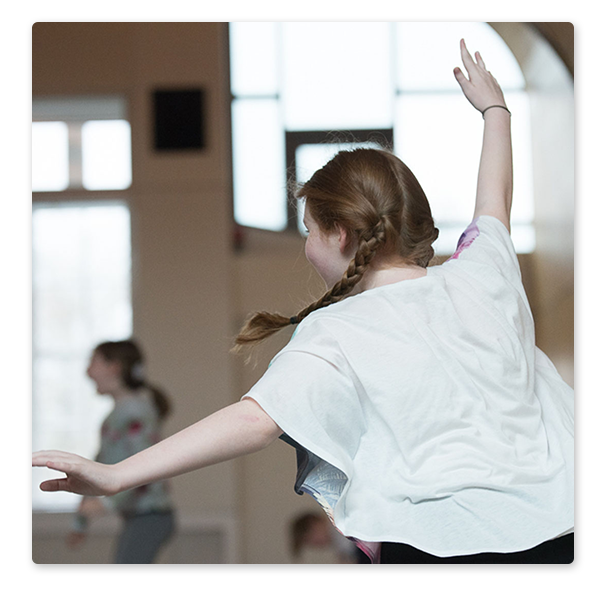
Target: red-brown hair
<point x="376" y="198"/>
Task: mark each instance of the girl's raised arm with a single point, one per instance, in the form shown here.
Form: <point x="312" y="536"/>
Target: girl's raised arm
<point x="495" y="179"/>
<point x="233" y="431"/>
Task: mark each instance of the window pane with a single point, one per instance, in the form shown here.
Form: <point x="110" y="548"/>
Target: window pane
<point x="259" y="180"/>
<point x="523" y="198"/>
<point x="336" y="76"/>
<point x="81" y="296"/>
<point x="439" y="137"/>
<point x="254" y="54"/>
<point x="106" y="155"/>
<point x="339" y="76"/>
<point x="428" y="52"/>
<point x="49" y="156"/>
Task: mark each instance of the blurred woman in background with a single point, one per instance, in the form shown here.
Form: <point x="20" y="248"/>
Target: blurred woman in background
<point x="134" y="424"/>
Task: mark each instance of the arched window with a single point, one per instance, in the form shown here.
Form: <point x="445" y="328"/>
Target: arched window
<point x="297" y="86"/>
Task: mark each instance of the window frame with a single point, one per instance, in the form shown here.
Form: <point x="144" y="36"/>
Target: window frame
<point x="48" y="108"/>
<point x="293" y="137"/>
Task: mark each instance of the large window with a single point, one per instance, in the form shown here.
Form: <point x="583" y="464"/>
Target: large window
<point x="81" y="268"/>
<point x="302" y="91"/>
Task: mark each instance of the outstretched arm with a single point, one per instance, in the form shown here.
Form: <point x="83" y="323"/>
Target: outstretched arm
<point x="495" y="180"/>
<point x="233" y="431"/>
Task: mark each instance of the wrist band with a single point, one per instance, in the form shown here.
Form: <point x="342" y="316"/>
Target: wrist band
<point x="494" y="106"/>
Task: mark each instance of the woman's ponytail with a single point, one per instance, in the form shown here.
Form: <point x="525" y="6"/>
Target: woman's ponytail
<point x="128" y="354"/>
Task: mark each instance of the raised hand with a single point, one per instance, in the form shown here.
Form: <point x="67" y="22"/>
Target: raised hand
<point x="83" y="476"/>
<point x="480" y="88"/>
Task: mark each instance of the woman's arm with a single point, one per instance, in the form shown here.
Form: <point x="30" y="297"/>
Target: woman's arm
<point x="233" y="431"/>
<point x="495" y="180"/>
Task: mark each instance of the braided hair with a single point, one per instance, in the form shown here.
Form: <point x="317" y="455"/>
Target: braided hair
<point x="375" y="197"/>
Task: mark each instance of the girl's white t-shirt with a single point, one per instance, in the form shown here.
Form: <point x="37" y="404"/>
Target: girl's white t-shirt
<point x="424" y="413"/>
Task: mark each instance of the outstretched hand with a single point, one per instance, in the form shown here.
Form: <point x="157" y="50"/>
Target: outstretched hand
<point x="83" y="476"/>
<point x="480" y="88"/>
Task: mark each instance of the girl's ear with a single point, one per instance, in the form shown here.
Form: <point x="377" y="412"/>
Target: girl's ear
<point x="345" y="240"/>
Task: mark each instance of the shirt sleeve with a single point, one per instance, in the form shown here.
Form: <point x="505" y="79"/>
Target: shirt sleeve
<point x="485" y="250"/>
<point x="308" y="391"/>
<point x="487" y="241"/>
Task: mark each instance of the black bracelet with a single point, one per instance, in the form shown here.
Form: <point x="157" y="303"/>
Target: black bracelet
<point x="494" y="106"/>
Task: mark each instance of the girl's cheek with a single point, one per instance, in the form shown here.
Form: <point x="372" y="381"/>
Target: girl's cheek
<point x="308" y="251"/>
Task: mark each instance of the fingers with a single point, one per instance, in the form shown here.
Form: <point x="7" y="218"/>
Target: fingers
<point x="479" y="60"/>
<point x="466" y="57"/>
<point x="460" y="76"/>
<point x="56" y="460"/>
<point x="39" y="459"/>
<point x="468" y="61"/>
<point x="76" y="469"/>
<point x="63" y="467"/>
<point x="462" y="80"/>
<point x="54" y="485"/>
